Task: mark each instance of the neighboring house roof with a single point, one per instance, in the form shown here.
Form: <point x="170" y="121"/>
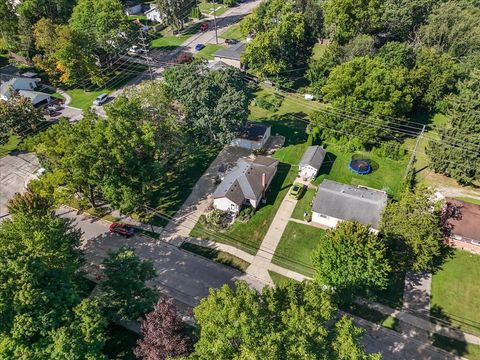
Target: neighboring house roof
<point x="217" y="65"/>
<point x="34" y="96"/>
<point x="313" y="156"/>
<point x="234" y="52"/>
<point x="348" y="202"/>
<point x="253" y="132"/>
<point x="244" y="181"/>
<point x="17" y="83"/>
<point x="467" y="225"/>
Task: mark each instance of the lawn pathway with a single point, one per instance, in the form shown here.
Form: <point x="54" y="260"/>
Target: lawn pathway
<point x="262" y="261"/>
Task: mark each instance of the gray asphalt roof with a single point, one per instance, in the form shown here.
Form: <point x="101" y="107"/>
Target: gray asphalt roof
<point x="233" y="52"/>
<point x="313" y="156"/>
<point x="244" y="181"/>
<point x="348" y="202"/>
<point x="253" y="131"/>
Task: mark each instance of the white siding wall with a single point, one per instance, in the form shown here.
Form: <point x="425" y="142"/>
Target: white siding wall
<point x="154" y="16"/>
<point x="268" y="132"/>
<point x="324" y="220"/>
<point x="247" y="144"/>
<point x="225" y="205"/>
<point x="231" y="62"/>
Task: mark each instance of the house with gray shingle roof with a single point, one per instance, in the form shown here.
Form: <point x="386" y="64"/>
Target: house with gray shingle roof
<point x="335" y="202"/>
<point x="311" y="162"/>
<point x="245" y="184"/>
<point x="231" y="55"/>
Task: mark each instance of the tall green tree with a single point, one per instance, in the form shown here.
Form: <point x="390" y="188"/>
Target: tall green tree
<point x="18" y="117"/>
<point x="414" y="230"/>
<point x="460" y="161"/>
<point x="104" y="23"/>
<point x="453" y="27"/>
<point x="352" y="260"/>
<point x="215" y="102"/>
<point x="280" y="41"/>
<point x="174" y="12"/>
<point x="345" y="19"/>
<point x="125" y="294"/>
<point x="41" y="312"/>
<point x="368" y="92"/>
<point x="282" y="323"/>
<point x="8" y="26"/>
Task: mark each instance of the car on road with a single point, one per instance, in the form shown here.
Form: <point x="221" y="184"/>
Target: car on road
<point x="204" y="26"/>
<point x="100" y="99"/>
<point x="135" y="50"/>
<point x="121" y="229"/>
<point x="297" y="190"/>
<point x="199" y="47"/>
<point x="231" y="41"/>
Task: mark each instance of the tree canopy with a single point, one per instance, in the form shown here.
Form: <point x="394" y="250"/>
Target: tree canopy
<point x="413" y="227"/>
<point x="18" y="117"/>
<point x="281" y="323"/>
<point x="352" y="260"/>
<point x="125" y="295"/>
<point x="463" y="130"/>
<point x="215" y="102"/>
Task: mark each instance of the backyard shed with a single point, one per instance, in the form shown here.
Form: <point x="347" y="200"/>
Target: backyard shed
<point x="311" y="162"/>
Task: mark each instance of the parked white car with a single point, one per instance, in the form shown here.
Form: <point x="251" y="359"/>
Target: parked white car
<point x="100" y="99"/>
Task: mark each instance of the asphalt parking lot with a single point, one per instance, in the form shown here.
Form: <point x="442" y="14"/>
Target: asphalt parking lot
<point x="15" y="171"/>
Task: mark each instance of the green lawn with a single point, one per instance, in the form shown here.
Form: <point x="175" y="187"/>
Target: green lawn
<point x="83" y="99"/>
<point x="10" y="146"/>
<point x="457" y="347"/>
<point x="469" y="200"/>
<point x="217" y="255"/>
<point x="456" y="292"/>
<point x="295" y="248"/>
<point x="208" y="51"/>
<point x="207" y="8"/>
<point x="166" y="41"/>
<point x="279" y="279"/>
<point x="304" y="204"/>
<point x="248" y="236"/>
<point x="233" y="32"/>
<point x="318" y="50"/>
<point x="387" y="174"/>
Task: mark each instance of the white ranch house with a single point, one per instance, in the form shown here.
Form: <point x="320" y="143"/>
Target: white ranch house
<point x="335" y="202"/>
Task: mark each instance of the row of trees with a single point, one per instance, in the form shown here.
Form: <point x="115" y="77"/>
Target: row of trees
<point x="71" y="41"/>
<point x="120" y="159"/>
<point x="386" y="61"/>
<point x="45" y="312"/>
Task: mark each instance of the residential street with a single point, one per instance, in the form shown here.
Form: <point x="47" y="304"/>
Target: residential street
<point x="181" y="274"/>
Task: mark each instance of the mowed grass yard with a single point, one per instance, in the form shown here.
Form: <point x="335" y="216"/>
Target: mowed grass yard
<point x="167" y="41"/>
<point x="233" y="32"/>
<point x="9" y="146"/>
<point x="294" y="251"/>
<point x="208" y="51"/>
<point x="456" y="292"/>
<point x="388" y="175"/>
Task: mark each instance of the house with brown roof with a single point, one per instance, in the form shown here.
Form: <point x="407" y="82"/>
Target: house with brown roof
<point x="465" y="226"/>
<point x="245" y="184"/>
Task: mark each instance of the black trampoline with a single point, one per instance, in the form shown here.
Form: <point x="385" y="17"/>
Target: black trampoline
<point x="360" y="166"/>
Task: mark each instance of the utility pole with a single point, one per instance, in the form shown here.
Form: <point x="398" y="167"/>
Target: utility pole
<point x="413" y="152"/>
<point x="145" y="52"/>
<point x="215" y="20"/>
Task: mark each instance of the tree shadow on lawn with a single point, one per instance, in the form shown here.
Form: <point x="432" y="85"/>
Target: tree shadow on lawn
<point x="438" y="315"/>
<point x="292" y="129"/>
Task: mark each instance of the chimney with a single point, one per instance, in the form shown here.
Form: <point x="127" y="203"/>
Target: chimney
<point x="264" y="181"/>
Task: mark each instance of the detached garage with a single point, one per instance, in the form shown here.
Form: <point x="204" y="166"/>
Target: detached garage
<point x="311" y="162"/>
<point x="252" y="136"/>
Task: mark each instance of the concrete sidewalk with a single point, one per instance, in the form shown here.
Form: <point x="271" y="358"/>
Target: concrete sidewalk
<point x="422" y="323"/>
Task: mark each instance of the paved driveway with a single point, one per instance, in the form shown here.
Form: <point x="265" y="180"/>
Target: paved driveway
<point x="15" y="171"/>
<point x="181" y="274"/>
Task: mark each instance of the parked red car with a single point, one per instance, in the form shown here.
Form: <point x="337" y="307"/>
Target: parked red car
<point x="122" y="229"/>
<point x="204" y="26"/>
